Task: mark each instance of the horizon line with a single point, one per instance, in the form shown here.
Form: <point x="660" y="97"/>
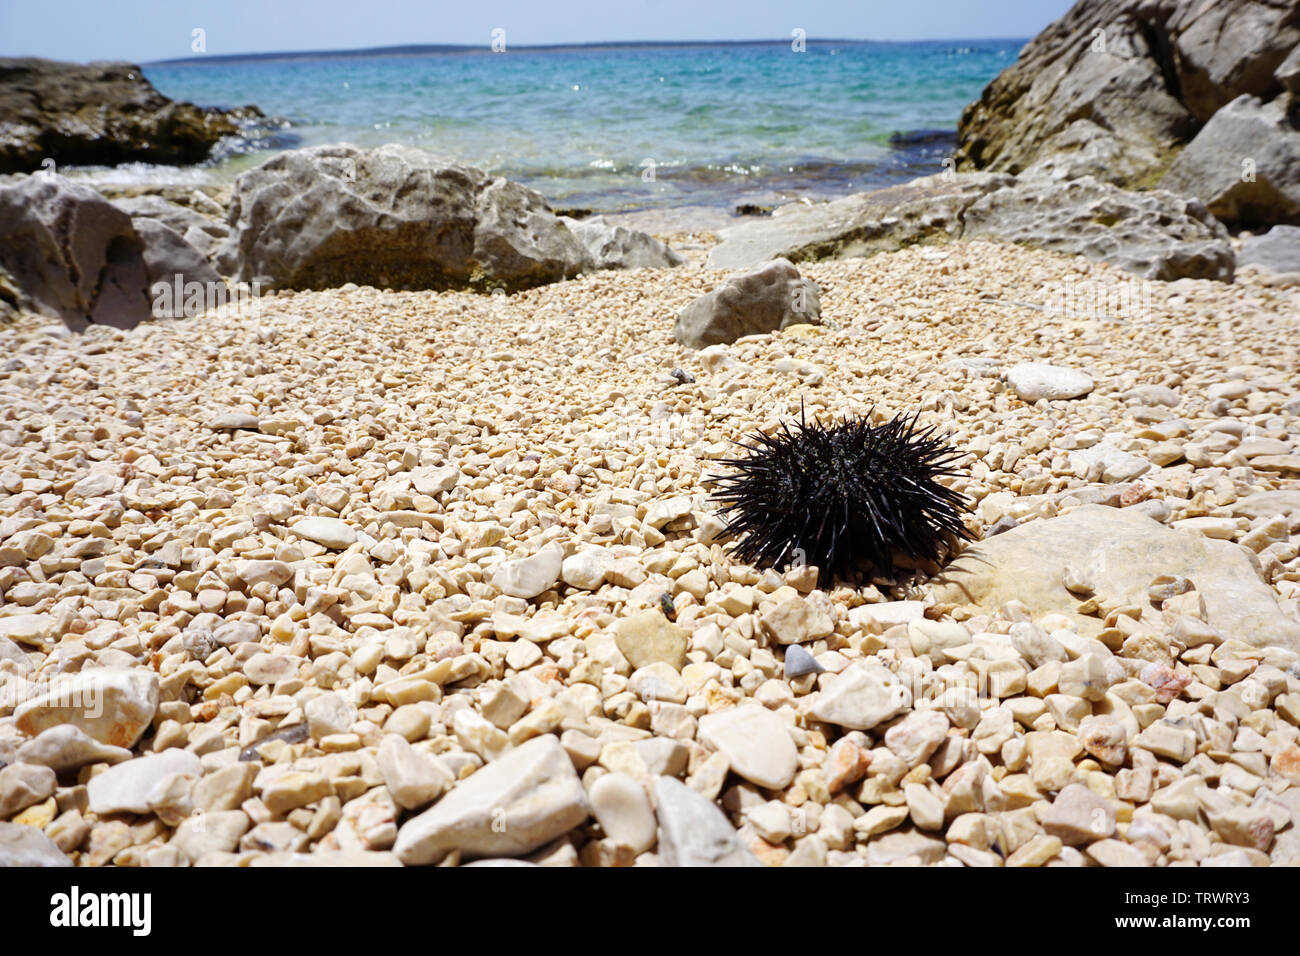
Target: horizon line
<point x="466" y="48"/>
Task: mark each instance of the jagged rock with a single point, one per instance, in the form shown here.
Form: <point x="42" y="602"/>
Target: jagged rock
<point x="391" y="217"/>
<point x="1063" y="75"/>
<point x="175" y="271"/>
<point x="770" y="297"/>
<point x="72" y="254"/>
<point x="1116" y="87"/>
<point x="864" y="694"/>
<point x="617" y="247"/>
<point x="756" y="742"/>
<point x="1288" y="72"/>
<point x="129" y="786"/>
<point x="101" y="114"/>
<point x="1244" y="164"/>
<point x="1222" y="50"/>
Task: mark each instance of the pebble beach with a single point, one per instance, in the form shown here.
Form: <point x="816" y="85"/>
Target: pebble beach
<point x="377" y="577"/>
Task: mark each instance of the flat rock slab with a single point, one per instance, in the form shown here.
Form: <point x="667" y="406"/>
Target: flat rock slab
<point x="1158" y="235"/>
<point x="519" y="801"/>
<point x="1028" y="564"/>
<point x="1267" y="503"/>
<point x="613" y="246"/>
<point x="863" y="224"/>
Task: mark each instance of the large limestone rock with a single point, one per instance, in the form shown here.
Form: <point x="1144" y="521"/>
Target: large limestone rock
<point x="1276" y="252"/>
<point x="199" y="230"/>
<point x="1157" y="235"/>
<point x="1116" y="87"/>
<point x="1245" y="163"/>
<point x="68" y="252"/>
<point x="694" y="832"/>
<point x="391" y="217"/>
<point x="101" y="114"/>
<point x="72" y="254"/>
<point x="1228" y="48"/>
<point x="1028" y="564"/>
<point x="524" y="798"/>
<point x="618" y="247"/>
<point x="768" y="298"/>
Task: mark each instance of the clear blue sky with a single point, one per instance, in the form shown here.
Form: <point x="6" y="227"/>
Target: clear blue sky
<point x="161" y="29"/>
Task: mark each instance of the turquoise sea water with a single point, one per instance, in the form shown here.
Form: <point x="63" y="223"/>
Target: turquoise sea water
<point x="620" y="128"/>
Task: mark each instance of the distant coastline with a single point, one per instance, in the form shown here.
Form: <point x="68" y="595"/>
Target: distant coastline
<point x="451" y="49"/>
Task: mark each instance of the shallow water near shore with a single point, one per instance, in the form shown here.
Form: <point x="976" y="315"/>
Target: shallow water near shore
<point x="623" y="128"/>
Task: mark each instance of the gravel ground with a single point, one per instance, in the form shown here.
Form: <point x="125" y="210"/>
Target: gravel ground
<point x="380" y="577"/>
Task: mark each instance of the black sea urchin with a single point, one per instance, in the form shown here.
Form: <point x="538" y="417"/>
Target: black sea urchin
<point x="836" y="495"/>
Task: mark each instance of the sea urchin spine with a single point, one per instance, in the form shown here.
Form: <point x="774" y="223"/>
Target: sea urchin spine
<point x="837" y="495"/>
